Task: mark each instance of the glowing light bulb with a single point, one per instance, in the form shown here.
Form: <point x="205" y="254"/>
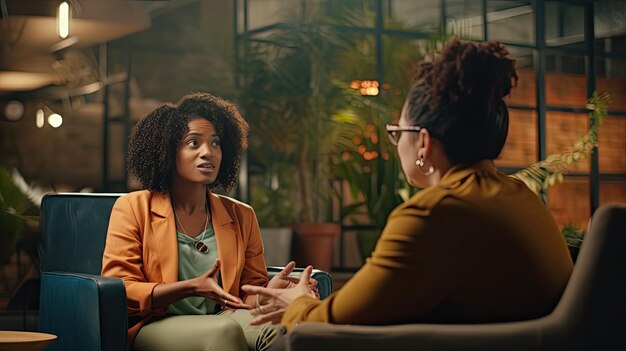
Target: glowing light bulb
<point x="39" y="118"/>
<point x="55" y="120"/>
<point x="63" y="20"/>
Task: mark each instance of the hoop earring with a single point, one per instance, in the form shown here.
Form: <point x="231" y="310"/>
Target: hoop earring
<point x="420" y="163"/>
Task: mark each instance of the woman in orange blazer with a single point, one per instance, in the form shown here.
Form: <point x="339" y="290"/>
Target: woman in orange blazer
<point x="474" y="245"/>
<point x="172" y="242"/>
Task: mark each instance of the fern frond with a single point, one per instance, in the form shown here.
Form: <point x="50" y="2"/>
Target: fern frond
<point x="539" y="176"/>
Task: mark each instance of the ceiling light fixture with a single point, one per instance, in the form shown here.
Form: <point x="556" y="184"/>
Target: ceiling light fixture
<point x="55" y="120"/>
<point x="63" y="20"/>
<point x="14" y="110"/>
<point x="40" y="118"/>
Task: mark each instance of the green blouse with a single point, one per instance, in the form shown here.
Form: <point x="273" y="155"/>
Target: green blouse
<point x="192" y="263"/>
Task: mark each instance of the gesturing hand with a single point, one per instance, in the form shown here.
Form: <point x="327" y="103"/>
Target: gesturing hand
<point x="283" y="280"/>
<point x="279" y="298"/>
<point x="206" y="285"/>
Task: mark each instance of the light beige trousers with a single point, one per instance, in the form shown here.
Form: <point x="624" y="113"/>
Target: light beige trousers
<point x="228" y="330"/>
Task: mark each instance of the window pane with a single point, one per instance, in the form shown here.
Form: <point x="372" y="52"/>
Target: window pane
<point x="609" y="21"/>
<point x="524" y="94"/>
<point x="360" y="13"/>
<point x="612" y="192"/>
<point x="424" y="15"/>
<point x="520" y="149"/>
<point x="399" y="58"/>
<point x="511" y="21"/>
<point x="357" y="59"/>
<point x="566" y="89"/>
<point x="563" y="130"/>
<point x="564" y="24"/>
<point x="265" y="12"/>
<point x="569" y="202"/>
<point x="612" y="145"/>
<point x="611" y="78"/>
<point x="464" y="19"/>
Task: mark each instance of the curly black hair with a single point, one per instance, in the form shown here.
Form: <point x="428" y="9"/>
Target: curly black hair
<point x="458" y="98"/>
<point x="154" y="140"/>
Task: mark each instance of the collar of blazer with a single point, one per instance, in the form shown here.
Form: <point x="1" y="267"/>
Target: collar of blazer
<point x="456" y="174"/>
<point x="163" y="225"/>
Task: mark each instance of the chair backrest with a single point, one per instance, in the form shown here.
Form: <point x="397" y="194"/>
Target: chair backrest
<point x="594" y="301"/>
<point x="73" y="231"/>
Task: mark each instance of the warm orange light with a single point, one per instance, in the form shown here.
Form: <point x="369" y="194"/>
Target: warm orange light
<point x="372" y="91"/>
<point x="366" y="87"/>
<point x="368" y="156"/>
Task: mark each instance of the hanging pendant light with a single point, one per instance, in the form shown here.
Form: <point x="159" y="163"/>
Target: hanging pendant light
<point x="63" y="20"/>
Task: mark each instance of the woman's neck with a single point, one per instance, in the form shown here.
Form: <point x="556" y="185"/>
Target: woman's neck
<point x="188" y="197"/>
<point x="441" y="163"/>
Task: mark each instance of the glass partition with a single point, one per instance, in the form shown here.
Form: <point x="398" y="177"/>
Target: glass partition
<point x="520" y="149"/>
<point x="511" y="22"/>
<point x="547" y="107"/>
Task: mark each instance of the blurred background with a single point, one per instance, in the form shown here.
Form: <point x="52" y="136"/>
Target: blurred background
<point x="316" y="79"/>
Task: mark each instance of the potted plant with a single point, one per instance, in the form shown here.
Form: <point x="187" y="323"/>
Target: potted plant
<point x="18" y="230"/>
<point x="288" y="96"/>
<point x="372" y="172"/>
<point x="368" y="163"/>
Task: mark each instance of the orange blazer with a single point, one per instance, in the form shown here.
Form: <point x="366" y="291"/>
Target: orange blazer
<point x="141" y="247"/>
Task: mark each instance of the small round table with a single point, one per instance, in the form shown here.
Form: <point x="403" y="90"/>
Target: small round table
<point x="24" y="341"/>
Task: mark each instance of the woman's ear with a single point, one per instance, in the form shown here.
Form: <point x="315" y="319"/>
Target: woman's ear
<point x="424" y="143"/>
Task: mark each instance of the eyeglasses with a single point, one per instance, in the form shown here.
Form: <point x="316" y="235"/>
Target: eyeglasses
<point x="394" y="131"/>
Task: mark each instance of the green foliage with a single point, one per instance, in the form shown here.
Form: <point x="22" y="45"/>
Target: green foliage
<point x="369" y="164"/>
<point x="13" y="207"/>
<point x="541" y="175"/>
<point x="573" y="236"/>
<point x="273" y="197"/>
<point x="288" y="96"/>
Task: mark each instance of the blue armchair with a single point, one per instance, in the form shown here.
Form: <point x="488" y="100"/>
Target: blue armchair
<point x="85" y="310"/>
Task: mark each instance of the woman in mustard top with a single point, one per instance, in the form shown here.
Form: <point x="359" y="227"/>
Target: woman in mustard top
<point x="474" y="245"/>
<point x="171" y="242"/>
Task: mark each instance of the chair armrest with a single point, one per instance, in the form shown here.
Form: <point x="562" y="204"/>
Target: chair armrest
<point x="514" y="336"/>
<point x="85" y="312"/>
<point x="324" y="281"/>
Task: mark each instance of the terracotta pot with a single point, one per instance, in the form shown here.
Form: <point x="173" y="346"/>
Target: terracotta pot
<point x="313" y="244"/>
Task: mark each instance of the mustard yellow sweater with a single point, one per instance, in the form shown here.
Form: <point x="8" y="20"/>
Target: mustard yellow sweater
<point x="477" y="247"/>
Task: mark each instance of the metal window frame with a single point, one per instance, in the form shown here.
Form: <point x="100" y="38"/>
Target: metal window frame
<point x="540" y="47"/>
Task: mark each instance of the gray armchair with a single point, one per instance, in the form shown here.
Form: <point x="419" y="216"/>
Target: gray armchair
<point x="83" y="309"/>
<point x="591" y="314"/>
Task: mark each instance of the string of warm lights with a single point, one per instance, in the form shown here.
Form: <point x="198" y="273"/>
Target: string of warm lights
<point x="365" y="87"/>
